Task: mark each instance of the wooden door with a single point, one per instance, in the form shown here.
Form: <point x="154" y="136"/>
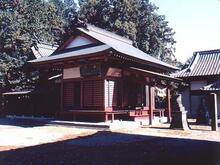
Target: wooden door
<point x="71" y="95"/>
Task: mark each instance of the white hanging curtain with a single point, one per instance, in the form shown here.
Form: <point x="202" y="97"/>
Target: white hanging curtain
<point x="161" y="92"/>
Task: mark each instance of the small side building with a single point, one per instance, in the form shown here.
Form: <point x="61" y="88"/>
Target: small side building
<point x="30" y="102"/>
<point x="203" y="77"/>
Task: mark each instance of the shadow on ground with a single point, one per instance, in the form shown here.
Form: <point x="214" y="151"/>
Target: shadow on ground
<point x="107" y="148"/>
<point x="21" y="122"/>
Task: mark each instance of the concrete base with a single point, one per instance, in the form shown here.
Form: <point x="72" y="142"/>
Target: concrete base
<point x="156" y="120"/>
<point x="107" y="126"/>
<point x="179" y="120"/>
<point x="163" y="120"/>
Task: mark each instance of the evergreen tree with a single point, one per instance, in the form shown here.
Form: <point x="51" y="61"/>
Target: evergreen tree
<point x="97" y="13"/>
<point x="21" y="23"/>
<point x="134" y="19"/>
<point x="12" y="38"/>
<point x="66" y="8"/>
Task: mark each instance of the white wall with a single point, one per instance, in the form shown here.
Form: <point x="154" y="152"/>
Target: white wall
<point x="79" y="41"/>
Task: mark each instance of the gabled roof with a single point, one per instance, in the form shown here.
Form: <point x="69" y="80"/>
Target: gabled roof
<point x="80" y="52"/>
<point x="120" y="44"/>
<point x="204" y="63"/>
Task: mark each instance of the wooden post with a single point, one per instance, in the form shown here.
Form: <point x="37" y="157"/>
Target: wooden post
<point x="214" y="112"/>
<point x="168" y="106"/>
<point x="106" y="117"/>
<point x="151" y="103"/>
<point x="122" y="93"/>
<point x="61" y="96"/>
<point x="81" y="94"/>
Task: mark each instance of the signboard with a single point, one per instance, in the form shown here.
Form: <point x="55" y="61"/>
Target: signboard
<point x="90" y="70"/>
<point x="71" y="73"/>
<point x="114" y="72"/>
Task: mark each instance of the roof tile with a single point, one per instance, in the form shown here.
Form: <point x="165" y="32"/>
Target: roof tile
<point x="208" y="63"/>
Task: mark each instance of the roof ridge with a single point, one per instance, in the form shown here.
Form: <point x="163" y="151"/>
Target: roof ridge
<point x="193" y="62"/>
<point x="109" y="34"/>
<point x="122" y="45"/>
<point x="205" y="52"/>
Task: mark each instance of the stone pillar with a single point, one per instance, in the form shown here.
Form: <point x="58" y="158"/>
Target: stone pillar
<point x="179" y="117"/>
<point x="214" y="112"/>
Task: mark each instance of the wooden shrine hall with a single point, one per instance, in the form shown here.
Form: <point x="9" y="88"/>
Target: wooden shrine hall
<point x="103" y="77"/>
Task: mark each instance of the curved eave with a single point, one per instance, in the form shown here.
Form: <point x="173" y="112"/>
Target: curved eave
<point x="71" y="55"/>
<point x="144" y="62"/>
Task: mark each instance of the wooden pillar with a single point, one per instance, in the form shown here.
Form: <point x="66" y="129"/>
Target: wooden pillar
<point x="81" y="94"/>
<point x="61" y="95"/>
<point x="168" y="106"/>
<point x="122" y="92"/>
<point x="151" y="104"/>
<point x="214" y="111"/>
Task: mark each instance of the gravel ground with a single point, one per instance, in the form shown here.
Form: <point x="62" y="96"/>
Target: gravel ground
<point x="17" y="133"/>
<point x="67" y="145"/>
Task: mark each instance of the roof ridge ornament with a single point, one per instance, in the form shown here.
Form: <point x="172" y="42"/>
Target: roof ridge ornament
<point x="194" y="62"/>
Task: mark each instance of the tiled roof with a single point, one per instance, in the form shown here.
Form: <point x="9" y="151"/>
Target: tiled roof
<point x="205" y="63"/>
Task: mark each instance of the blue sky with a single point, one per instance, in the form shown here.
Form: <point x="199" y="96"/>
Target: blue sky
<point x="196" y="23"/>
